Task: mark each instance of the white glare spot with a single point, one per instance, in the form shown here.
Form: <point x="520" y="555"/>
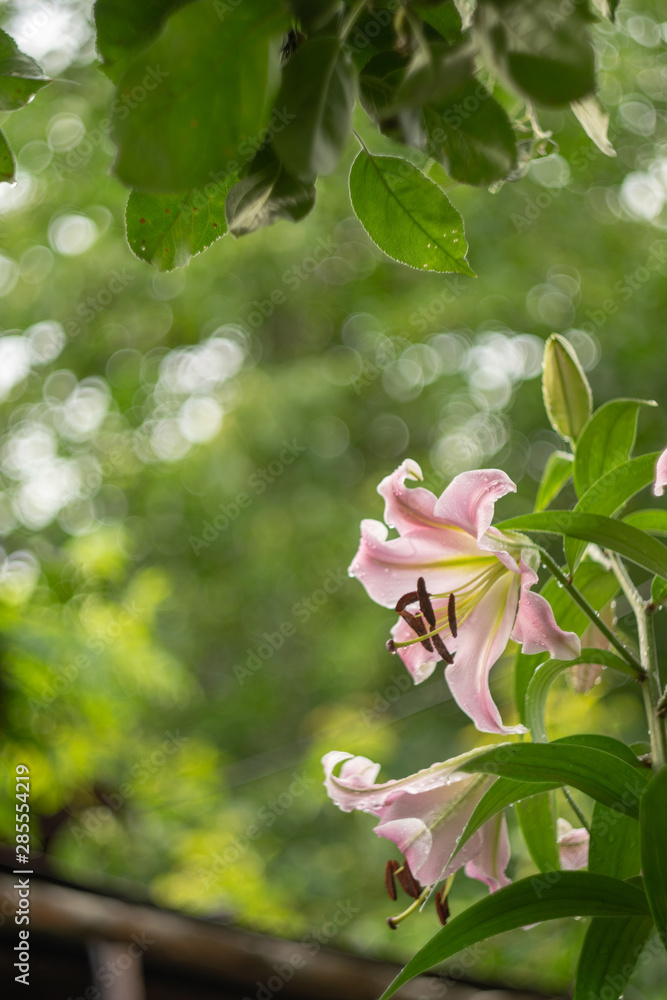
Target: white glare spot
<point x="19" y="574"/>
<point x="200" y="418"/>
<point x="642" y="195"/>
<point x="14" y="363"/>
<point x="72" y="235"/>
<point x="46" y="340"/>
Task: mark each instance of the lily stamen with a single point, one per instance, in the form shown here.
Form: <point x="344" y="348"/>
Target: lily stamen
<point x="425" y="602"/>
<point x="417" y="625"/>
<point x="451" y="615"/>
<point x="393" y="922"/>
<point x="389" y="872"/>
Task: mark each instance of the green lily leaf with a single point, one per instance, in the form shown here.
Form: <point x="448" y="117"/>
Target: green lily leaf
<point x="608" y="494"/>
<point x="606" y="441"/>
<point x="617" y="536"/>
<point x="653" y="823"/>
<point x="598" y="585"/>
<point x="604" y="776"/>
<point x="546" y="673"/>
<point x="407" y="215"/>
<point x="542" y="897"/>
<point x="609" y="953"/>
<point x="557" y="472"/>
<point x="538" y="826"/>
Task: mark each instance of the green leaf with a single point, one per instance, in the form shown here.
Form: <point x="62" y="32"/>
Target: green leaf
<point x="176" y="126"/>
<point x="502" y="793"/>
<point x="546" y="673"/>
<point x="658" y="591"/>
<point x="439" y="78"/>
<point x="557" y="472"/>
<point x="654" y="521"/>
<point x="445" y="18"/>
<point x="379" y="81"/>
<point x="20" y="76"/>
<point x="598" y="585"/>
<point x="472" y="136"/>
<point x="542" y="49"/>
<point x="606" y="441"/>
<point x="567" y="395"/>
<point x="614" y="844"/>
<point x="312" y="14"/>
<point x="608" y="745"/>
<point x="317" y="97"/>
<point x="602" y="775"/>
<point x="531" y="900"/>
<point x="125" y="27"/>
<point x="609" y="493"/>
<point x="7" y="161"/>
<point x="407" y="215"/>
<point x="166" y="230"/>
<point x="606" y="532"/>
<point x="609" y="953"/>
<point x="538" y="825"/>
<point x="653" y="822"/>
<point x="266" y="194"/>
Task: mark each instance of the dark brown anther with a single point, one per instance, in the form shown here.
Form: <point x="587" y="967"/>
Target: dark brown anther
<point x="417" y="625"/>
<point x="408" y="598"/>
<point x="425" y="602"/>
<point x="442" y="649"/>
<point x="391" y="645"/>
<point x="389" y="872"/>
<point x="408" y="882"/>
<point x="451" y="614"/>
<point x="442" y="906"/>
<point x="390" y="923"/>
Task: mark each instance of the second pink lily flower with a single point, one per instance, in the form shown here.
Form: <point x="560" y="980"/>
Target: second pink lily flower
<point x="449" y="543"/>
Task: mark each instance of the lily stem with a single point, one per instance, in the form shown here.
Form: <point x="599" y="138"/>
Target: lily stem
<point x="591" y="613"/>
<point x="654" y="697"/>
<point x="575" y="808"/>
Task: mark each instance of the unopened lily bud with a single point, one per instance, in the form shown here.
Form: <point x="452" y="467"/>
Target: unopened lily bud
<point x="567" y="395"/>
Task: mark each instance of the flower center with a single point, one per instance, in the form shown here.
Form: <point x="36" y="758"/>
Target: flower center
<point x="434" y="626"/>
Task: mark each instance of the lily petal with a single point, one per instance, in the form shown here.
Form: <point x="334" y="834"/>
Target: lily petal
<point x="407" y="508"/>
<point x="469" y="500"/>
<point x="480" y="644"/>
<point x="535" y="627"/>
<point x="572" y="846"/>
<point x="389" y="568"/>
<point x="660" y="480"/>
<point x="492" y="854"/>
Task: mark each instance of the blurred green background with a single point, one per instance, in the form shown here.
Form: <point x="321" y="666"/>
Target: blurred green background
<point x="184" y="464"/>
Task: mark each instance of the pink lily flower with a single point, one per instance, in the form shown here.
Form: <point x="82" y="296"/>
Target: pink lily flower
<point x="461" y="587"/>
<point x="424" y="815"/>
<point x="660" y="480"/>
<point x="572" y="846"/>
